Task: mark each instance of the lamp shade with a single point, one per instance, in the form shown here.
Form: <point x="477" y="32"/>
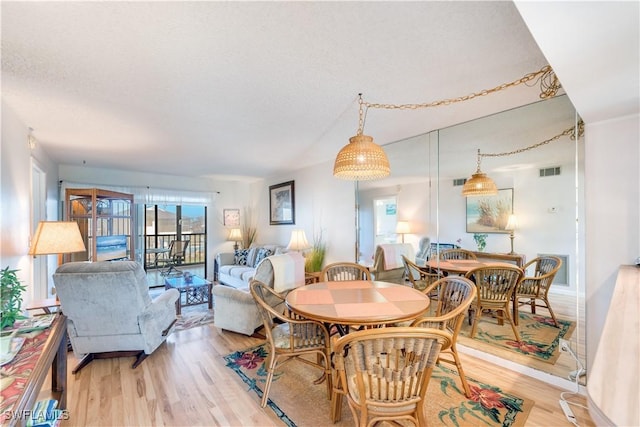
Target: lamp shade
<point x="479" y="185"/>
<point x="235" y="235"/>
<point x="298" y="241"/>
<point x="402" y="227"/>
<point x="57" y="237"/>
<point x="512" y="224"/>
<point x="361" y="159"/>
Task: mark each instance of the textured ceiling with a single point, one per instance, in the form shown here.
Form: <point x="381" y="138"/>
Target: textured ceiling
<point x="250" y="89"/>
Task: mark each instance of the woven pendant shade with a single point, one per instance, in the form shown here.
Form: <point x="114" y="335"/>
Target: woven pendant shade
<point x="361" y="160"/>
<point x="479" y="185"/>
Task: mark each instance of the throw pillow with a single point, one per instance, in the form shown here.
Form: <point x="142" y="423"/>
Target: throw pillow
<point x="241" y="256"/>
<point x="262" y="254"/>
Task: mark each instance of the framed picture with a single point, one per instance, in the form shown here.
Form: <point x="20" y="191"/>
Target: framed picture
<point x="231" y="217"/>
<point x="282" y="209"/>
<point x="489" y="214"/>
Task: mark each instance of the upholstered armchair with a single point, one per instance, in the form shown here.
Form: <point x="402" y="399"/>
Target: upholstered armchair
<point x="110" y="312"/>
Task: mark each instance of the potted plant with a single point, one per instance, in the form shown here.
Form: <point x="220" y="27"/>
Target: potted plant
<point x="481" y="241"/>
<point x="10" y="298"/>
<point x="315" y="258"/>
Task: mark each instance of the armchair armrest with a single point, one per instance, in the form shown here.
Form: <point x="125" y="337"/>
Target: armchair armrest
<point x="226" y="258"/>
<point x="157" y="317"/>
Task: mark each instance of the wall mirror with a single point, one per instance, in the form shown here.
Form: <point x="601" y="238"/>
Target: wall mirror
<point x="426" y="180"/>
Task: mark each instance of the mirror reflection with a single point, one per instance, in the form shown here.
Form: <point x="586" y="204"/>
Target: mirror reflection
<point x="536" y="213"/>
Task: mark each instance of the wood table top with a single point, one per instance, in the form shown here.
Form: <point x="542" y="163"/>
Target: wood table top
<point x="463" y="266"/>
<point x="357" y="302"/>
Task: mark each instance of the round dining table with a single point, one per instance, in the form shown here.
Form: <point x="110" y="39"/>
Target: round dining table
<point x="462" y="266"/>
<point x="357" y="302"/>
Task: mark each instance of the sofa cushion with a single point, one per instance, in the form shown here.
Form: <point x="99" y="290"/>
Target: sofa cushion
<point x="241" y="256"/>
<point x="239" y="271"/>
<point x="261" y="254"/>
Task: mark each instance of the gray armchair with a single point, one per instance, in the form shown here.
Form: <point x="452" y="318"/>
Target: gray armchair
<point x="110" y="312"/>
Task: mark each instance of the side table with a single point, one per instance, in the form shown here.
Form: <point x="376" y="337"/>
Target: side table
<point x="45" y="305"/>
<point x="311" y="277"/>
<point x="196" y="290"/>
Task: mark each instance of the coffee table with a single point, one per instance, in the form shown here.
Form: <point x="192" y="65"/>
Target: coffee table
<point x="195" y="290"/>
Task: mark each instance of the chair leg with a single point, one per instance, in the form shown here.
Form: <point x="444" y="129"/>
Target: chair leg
<point x="272" y="362"/>
<point x="553" y="316"/>
<point x="476" y="318"/>
<point x="463" y="378"/>
<point x="505" y="313"/>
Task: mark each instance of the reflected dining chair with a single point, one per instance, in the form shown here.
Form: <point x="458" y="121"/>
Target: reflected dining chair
<point x="456" y="254"/>
<point x="384" y="373"/>
<point x="495" y="286"/>
<point x="420" y="277"/>
<point x="290" y="337"/>
<point x="536" y="287"/>
<point x="455" y="296"/>
<point x="344" y="271"/>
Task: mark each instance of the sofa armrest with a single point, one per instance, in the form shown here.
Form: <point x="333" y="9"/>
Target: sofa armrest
<point x="226" y="258"/>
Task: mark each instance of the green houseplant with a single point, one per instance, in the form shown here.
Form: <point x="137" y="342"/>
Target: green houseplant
<point x="315" y="258"/>
<point x="10" y="297"/>
<point x="481" y="240"/>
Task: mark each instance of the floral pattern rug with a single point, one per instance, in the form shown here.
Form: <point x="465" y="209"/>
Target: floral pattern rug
<point x="539" y="337"/>
<point x="298" y="402"/>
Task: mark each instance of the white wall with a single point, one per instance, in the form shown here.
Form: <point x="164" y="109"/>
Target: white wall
<point x="612" y="196"/>
<point x="322" y="204"/>
<point x="15" y="203"/>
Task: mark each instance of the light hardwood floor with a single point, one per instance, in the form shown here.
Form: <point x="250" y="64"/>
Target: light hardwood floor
<point x="185" y="383"/>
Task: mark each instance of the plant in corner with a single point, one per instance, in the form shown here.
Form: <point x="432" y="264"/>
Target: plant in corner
<point x="481" y="240"/>
<point x="249" y="230"/>
<point x="315" y="257"/>
<point x="10" y="297"/>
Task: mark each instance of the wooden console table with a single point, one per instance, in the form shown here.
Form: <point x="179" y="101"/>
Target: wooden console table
<point x="43" y="352"/>
<point x="518" y="259"/>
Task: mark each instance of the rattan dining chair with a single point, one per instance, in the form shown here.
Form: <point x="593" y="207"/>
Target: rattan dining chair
<point x="456" y="254"/>
<point x="495" y="286"/>
<point x="420" y="277"/>
<point x="345" y="271"/>
<point x="290" y="337"/>
<point x="536" y="287"/>
<point x="384" y="373"/>
<point x="455" y="296"/>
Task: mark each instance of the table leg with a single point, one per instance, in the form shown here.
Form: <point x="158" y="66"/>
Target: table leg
<point x="59" y="372"/>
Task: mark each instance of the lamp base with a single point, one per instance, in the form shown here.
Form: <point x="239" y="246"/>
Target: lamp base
<point x="511" y="236"/>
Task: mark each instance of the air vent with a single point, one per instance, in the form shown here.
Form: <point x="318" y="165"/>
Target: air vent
<point x="458" y="182"/>
<point x="550" y="171"/>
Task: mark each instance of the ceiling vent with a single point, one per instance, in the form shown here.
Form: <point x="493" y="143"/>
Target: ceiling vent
<point x="550" y="171"/>
<point x="459" y="181"/>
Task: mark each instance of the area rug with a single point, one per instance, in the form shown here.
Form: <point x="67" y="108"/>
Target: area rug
<point x="540" y="339"/>
<point x="298" y="402"/>
<point x="188" y="320"/>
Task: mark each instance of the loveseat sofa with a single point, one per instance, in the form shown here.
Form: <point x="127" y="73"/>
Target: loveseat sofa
<point x="238" y="268"/>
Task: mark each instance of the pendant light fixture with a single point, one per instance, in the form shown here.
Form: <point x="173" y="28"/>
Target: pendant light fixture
<point x="361" y="159"/>
<point x="479" y="184"/>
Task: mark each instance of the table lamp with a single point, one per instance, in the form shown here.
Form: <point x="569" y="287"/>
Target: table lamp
<point x="402" y="228"/>
<point x="298" y="241"/>
<point x="57" y="237"/>
<point x="235" y="235"/>
<point x="512" y="224"/>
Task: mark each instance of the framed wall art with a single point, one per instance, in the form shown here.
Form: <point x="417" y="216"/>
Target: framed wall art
<point x="282" y="208"/>
<point x="231" y="217"/>
<point x="489" y="214"/>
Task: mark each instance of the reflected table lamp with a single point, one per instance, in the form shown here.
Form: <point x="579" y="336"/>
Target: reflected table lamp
<point x="512" y="224"/>
<point x="235" y="235"/>
<point x="402" y="228"/>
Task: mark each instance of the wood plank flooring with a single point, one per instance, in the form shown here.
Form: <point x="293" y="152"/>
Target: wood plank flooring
<point x="185" y="383"/>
